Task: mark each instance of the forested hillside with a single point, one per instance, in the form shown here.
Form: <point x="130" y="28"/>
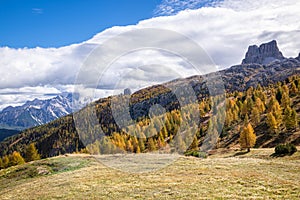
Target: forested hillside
<point x="262" y="100"/>
<point x="4" y="133"/>
<point x="272" y="111"/>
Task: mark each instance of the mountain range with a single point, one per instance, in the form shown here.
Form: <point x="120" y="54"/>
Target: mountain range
<point x="263" y="65"/>
<point x="35" y="112"/>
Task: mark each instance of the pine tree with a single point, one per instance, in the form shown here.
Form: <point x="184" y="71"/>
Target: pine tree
<point x="279" y="94"/>
<point x="15" y="159"/>
<point x="31" y="153"/>
<point x="247" y="137"/>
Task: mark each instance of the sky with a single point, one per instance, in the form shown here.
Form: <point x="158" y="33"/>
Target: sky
<point x="44" y="44"/>
<point x="56" y="23"/>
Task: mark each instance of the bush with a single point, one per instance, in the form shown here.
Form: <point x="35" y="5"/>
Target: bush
<point x="285" y="149"/>
<point x="197" y="154"/>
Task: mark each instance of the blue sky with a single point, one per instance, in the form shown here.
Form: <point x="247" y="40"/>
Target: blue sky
<point x="55" y="23"/>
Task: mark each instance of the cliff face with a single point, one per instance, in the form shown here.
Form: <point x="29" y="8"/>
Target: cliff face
<point x="298" y="58"/>
<point x="264" y="54"/>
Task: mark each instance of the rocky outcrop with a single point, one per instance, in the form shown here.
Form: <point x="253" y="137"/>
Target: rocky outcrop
<point x="127" y="91"/>
<point x="264" y="54"/>
<point x="298" y="58"/>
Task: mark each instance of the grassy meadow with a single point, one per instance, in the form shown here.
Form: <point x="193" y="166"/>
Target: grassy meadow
<point x="223" y="175"/>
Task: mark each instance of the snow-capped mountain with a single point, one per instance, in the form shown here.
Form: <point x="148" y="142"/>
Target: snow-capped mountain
<point x="36" y="112"/>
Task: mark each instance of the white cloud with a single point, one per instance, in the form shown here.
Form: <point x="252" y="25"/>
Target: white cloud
<point x="172" y="7"/>
<point x="37" y="11"/>
<point x="17" y="96"/>
<point x="224" y="30"/>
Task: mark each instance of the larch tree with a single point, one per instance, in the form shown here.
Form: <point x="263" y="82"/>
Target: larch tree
<point x="290" y="118"/>
<point x="256" y="115"/>
<point x="5" y="161"/>
<point x="141" y="144"/>
<point x="194" y="145"/>
<point x="247" y="137"/>
<point x="285" y="100"/>
<point x="137" y="150"/>
<point x="260" y="105"/>
<point x="277" y="112"/>
<point x="31" y="153"/>
<point x="272" y="123"/>
<point x="294" y="89"/>
<point x="151" y="145"/>
<point x="180" y="144"/>
<point x="15" y="159"/>
<point x="1" y="164"/>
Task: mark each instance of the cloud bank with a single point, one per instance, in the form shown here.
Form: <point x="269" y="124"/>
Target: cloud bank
<point x="224" y="29"/>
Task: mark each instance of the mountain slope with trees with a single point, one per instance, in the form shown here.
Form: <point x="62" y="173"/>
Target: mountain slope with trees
<point x="266" y="96"/>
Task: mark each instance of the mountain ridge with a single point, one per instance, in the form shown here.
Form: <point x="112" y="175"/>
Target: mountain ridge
<point x="35" y="112"/>
<point x="62" y="133"/>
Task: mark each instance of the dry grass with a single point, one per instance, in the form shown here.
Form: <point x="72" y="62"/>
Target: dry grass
<point x="221" y="176"/>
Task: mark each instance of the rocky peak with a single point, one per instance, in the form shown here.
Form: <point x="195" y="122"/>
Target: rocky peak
<point x="264" y="54"/>
<point x="298" y="58"/>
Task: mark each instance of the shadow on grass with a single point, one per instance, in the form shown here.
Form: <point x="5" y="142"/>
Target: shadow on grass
<point x="274" y="155"/>
<point x="240" y="153"/>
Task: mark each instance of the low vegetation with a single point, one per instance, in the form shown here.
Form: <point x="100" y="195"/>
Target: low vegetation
<point x="285" y="149"/>
<point x="257" y="117"/>
<point x="30" y="154"/>
<point x="224" y="175"/>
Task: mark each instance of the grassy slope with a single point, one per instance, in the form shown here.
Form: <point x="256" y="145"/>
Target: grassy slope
<point x="221" y="176"/>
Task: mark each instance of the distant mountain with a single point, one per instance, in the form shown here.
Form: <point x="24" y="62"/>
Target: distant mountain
<point x="264" y="54"/>
<point x="60" y="136"/>
<point x="36" y="112"/>
<point x="4" y="133"/>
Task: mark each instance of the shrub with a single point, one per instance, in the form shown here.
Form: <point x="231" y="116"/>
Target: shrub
<point x="197" y="154"/>
<point x="285" y="149"/>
